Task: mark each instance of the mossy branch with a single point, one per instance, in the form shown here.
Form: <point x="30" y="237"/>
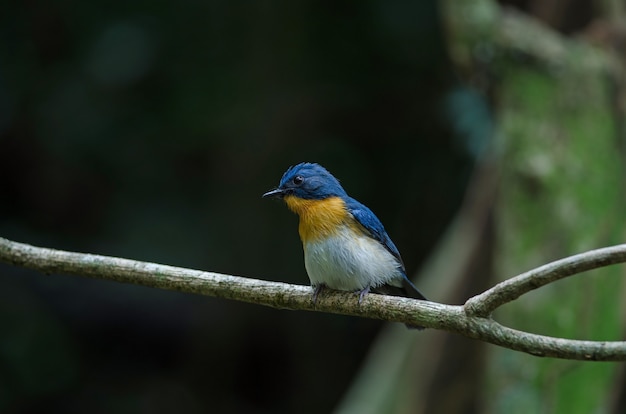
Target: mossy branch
<point x="471" y="320"/>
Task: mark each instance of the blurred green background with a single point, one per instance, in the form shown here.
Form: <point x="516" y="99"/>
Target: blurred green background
<point x="149" y="130"/>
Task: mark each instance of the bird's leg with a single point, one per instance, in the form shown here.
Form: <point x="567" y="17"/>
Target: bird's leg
<point x="316" y="291"/>
<point x="362" y="293"/>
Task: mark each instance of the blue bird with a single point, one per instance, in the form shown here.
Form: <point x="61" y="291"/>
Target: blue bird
<point x="345" y="245"/>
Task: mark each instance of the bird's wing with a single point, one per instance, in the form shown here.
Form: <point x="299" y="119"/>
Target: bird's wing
<point x="375" y="229"/>
<point x="372" y="224"/>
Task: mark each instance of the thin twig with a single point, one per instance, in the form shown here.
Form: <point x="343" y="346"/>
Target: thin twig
<point x="511" y="289"/>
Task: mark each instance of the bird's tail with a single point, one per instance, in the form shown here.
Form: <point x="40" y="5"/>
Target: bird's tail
<point x="412" y="292"/>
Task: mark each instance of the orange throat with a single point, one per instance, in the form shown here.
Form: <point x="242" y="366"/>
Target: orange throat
<point x="318" y="218"/>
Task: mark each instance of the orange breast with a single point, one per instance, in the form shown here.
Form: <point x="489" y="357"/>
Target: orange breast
<point x="318" y="218"/>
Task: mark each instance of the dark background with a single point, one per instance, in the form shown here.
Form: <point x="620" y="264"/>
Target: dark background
<point x="149" y="130"/>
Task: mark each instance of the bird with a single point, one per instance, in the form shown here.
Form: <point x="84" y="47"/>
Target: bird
<point x="345" y="245"/>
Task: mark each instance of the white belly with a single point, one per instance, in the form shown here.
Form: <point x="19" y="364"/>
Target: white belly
<point x="350" y="262"/>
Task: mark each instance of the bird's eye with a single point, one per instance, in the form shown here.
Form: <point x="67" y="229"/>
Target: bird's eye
<point x="297" y="180"/>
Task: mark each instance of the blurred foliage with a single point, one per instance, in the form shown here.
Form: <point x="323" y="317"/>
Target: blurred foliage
<point x="149" y="130"/>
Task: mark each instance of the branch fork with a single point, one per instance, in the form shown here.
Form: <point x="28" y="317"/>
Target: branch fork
<point x="471" y="319"/>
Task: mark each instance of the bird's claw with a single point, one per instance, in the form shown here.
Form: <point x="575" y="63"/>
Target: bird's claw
<point x="316" y="291"/>
<point x="362" y="293"/>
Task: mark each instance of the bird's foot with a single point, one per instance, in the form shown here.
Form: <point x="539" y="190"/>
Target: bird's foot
<point x="362" y="293"/>
<point x="316" y="291"/>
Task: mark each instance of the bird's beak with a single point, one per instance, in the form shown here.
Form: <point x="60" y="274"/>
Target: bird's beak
<point x="275" y="193"/>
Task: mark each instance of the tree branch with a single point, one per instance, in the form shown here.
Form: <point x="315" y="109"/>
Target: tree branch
<point x="509" y="290"/>
<point x="470" y="320"/>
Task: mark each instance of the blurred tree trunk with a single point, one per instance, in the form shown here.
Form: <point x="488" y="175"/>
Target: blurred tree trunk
<point x="558" y="104"/>
<point x="551" y="186"/>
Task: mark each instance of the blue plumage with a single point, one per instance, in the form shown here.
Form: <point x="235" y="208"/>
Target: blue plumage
<point x="345" y="245"/>
<point x="372" y="224"/>
<point x="317" y="183"/>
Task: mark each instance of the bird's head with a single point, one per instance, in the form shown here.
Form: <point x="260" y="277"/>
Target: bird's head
<point x="308" y="181"/>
